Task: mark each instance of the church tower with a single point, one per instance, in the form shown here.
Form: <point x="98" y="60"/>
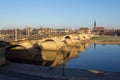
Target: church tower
<point x="94" y="24"/>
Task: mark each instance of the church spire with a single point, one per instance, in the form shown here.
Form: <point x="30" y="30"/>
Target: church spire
<point x="94" y="24"/>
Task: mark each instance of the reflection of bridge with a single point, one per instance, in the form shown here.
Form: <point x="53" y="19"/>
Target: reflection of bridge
<point x="53" y="50"/>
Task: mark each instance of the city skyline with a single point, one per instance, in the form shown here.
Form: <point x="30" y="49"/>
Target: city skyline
<point x="59" y="13"/>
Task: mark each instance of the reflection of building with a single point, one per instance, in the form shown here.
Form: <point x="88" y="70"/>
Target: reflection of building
<point x="94" y="45"/>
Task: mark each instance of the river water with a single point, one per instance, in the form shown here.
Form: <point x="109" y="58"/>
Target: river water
<point x="97" y="57"/>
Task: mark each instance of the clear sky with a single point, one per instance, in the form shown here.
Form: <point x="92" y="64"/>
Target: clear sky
<point x="60" y="13"/>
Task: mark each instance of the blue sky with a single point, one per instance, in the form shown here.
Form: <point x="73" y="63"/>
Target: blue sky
<point x="59" y="13"/>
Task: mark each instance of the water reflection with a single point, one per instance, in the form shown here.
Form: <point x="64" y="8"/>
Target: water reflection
<point x="105" y="58"/>
<point x="62" y="58"/>
<point x="94" y="45"/>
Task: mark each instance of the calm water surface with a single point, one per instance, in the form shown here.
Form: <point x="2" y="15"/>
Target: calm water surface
<point x="97" y="57"/>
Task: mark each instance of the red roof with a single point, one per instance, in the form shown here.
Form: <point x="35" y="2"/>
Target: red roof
<point x="98" y="29"/>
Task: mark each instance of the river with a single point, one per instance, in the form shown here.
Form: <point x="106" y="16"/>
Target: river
<point x="97" y="57"/>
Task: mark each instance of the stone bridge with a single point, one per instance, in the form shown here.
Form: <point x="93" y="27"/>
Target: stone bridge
<point x="39" y="50"/>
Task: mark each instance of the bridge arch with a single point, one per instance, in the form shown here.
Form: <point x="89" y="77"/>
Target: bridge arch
<point x="67" y="37"/>
<point x="16" y="52"/>
<point x="47" y="46"/>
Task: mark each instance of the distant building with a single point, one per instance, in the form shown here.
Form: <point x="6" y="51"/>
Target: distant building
<point x="84" y="30"/>
<point x="112" y="32"/>
<point x="42" y="31"/>
<point x="28" y="31"/>
<point x="62" y="30"/>
<point x="98" y="30"/>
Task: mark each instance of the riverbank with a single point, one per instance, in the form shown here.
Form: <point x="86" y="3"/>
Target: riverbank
<point x="15" y="71"/>
<point x="105" y="40"/>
